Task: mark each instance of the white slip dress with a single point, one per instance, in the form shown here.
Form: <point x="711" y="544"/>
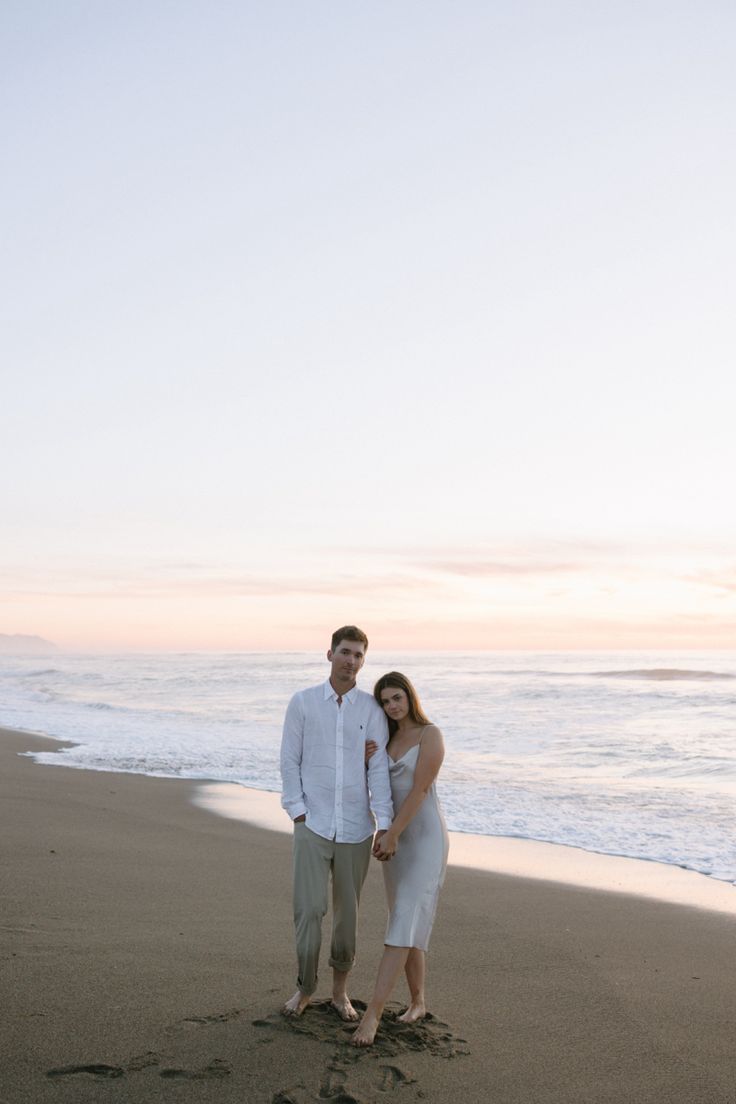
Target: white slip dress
<point x="414" y="876"/>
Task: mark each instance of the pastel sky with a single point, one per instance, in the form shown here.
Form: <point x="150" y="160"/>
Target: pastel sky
<point x="417" y="315"/>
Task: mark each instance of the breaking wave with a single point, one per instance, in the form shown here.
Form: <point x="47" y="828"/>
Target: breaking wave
<point x="663" y="674"/>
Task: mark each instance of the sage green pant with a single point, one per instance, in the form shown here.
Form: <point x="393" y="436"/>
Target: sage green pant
<point x="315" y="859"/>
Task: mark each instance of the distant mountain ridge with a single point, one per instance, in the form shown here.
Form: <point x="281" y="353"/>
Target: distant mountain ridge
<point x="19" y="642"/>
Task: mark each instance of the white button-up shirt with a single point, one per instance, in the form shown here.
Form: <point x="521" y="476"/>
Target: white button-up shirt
<point x="323" y="767"/>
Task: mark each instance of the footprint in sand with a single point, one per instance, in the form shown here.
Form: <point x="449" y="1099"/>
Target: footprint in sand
<point x="393" y="1076"/>
<point x="351" y="1071"/>
<point x="333" y="1083"/>
<point x="429" y="1034"/>
<point x="144" y="1061"/>
<point x="297" y="1095"/>
<point x="214" y="1018"/>
<point x="346" y="1097"/>
<point x="335" y="1088"/>
<point x="97" y="1070"/>
<point x="218" y="1068"/>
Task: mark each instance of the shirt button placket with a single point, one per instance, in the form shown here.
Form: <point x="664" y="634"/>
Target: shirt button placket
<point x="339" y="772"/>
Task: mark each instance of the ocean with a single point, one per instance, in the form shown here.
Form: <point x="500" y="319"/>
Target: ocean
<point x="619" y="753"/>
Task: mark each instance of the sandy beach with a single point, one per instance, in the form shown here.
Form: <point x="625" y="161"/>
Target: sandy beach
<point x="147" y="945"/>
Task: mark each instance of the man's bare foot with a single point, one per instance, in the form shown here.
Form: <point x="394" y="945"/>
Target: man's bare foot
<point x="366" y="1032"/>
<point x="296" y="1004"/>
<point x="344" y="1008"/>
<point x="413" y="1013"/>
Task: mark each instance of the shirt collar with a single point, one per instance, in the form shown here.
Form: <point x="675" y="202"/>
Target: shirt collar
<point x="329" y="692"/>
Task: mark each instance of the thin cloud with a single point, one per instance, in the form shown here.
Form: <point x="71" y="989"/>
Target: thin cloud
<point x="492" y="569"/>
<point x="238" y="586"/>
<point x="719" y="580"/>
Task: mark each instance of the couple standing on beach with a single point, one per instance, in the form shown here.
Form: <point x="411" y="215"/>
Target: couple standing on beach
<point x="346" y="758"/>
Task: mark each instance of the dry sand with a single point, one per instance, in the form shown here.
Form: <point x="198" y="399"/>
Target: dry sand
<point x="146" y="945"/>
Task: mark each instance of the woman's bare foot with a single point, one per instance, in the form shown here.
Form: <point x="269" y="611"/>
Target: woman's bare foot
<point x="415" y="1011"/>
<point x="366" y="1032"/>
<point x="296" y="1004"/>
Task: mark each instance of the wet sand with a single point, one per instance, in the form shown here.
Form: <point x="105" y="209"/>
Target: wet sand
<point x="146" y="946"/>
<point x="520" y="857"/>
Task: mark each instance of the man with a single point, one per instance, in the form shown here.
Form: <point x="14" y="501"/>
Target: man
<point x="332" y="800"/>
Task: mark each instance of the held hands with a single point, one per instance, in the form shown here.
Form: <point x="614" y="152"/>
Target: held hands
<point x="384" y="845"/>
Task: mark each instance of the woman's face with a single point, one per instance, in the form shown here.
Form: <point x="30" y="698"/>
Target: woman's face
<point x="395" y="703"/>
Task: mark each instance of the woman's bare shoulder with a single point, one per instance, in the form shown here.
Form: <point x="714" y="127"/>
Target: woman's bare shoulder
<point x="431" y="732"/>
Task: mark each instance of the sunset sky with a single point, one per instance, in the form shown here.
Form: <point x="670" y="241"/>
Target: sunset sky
<point x="417" y="315"/>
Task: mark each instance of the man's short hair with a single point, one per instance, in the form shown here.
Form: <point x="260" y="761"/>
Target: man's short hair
<point x="349" y="632"/>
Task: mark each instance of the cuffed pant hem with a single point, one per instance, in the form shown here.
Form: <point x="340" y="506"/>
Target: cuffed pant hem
<point x="342" y="967"/>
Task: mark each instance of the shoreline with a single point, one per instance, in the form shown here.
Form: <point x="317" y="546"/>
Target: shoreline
<point x="147" y="945"/>
<point x="509" y="855"/>
<point x="515" y="856"/>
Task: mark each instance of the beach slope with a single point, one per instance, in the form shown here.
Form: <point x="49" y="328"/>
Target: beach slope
<point x="146" y="946"/>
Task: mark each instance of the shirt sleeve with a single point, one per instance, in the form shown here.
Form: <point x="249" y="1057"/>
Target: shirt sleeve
<point x="379" y="783"/>
<point x="292" y="795"/>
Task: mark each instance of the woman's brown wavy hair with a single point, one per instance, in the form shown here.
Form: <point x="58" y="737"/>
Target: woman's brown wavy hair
<point x="395" y="680"/>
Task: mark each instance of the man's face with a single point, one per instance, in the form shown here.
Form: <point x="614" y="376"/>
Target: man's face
<point x="346" y="660"/>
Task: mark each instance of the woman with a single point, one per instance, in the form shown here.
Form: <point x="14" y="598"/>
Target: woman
<point x="413" y="850"/>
